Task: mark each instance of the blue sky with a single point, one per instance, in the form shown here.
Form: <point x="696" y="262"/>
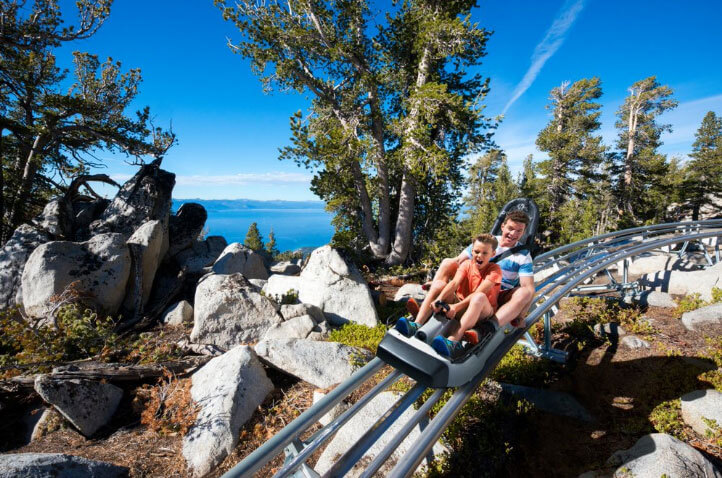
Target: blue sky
<point x="229" y="131"/>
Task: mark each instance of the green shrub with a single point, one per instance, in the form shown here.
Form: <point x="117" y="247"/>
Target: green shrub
<point x="520" y="368"/>
<point x="690" y="302"/>
<point x="357" y="335"/>
<point x="78" y="333"/>
<point x="667" y="418"/>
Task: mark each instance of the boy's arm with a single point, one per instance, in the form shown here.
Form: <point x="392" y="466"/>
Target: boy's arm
<point x="492" y="278"/>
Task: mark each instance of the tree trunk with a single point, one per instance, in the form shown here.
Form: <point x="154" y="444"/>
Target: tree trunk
<point x="30" y="168"/>
<point x="4" y="235"/>
<point x="402" y="240"/>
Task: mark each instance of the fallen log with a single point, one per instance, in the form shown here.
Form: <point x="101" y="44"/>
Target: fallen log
<point x="110" y="372"/>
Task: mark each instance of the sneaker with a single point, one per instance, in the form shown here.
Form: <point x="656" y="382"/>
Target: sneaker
<point x="406" y="326"/>
<point x="446" y="347"/>
<point x="471" y="336"/>
<point x="412" y="307"/>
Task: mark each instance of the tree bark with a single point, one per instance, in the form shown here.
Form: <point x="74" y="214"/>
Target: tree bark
<point x="30" y="168"/>
<point x="404" y="222"/>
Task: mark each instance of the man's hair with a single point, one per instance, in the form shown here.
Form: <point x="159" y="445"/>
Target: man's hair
<point x="486" y="239"/>
<point x="517" y="216"/>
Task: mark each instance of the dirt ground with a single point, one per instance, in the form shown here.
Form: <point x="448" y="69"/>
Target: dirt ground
<point x="617" y="385"/>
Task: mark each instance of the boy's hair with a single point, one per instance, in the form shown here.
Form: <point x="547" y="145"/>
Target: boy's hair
<point x="517" y="216"/>
<point x="486" y="239"/>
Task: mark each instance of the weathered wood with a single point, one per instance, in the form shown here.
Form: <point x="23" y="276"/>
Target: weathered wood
<point x="111" y="372"/>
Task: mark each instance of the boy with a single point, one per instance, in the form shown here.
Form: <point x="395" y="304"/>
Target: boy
<point x="472" y="292"/>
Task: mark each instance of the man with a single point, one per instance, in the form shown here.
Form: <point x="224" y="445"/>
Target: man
<point x="517" y="286"/>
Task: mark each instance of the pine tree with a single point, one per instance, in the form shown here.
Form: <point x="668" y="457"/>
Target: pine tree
<point x="703" y="178"/>
<point x="271" y="248"/>
<point x="641" y="169"/>
<point x="254" y="240"/>
<point x="575" y="153"/>
<point x="490" y="188"/>
<point x="395" y="109"/>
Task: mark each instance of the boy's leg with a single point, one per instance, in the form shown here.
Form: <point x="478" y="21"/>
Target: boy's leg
<point x="479" y="307"/>
<point x="425" y="310"/>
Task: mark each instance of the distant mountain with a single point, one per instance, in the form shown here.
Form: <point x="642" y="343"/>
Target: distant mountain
<point x="237" y="204"/>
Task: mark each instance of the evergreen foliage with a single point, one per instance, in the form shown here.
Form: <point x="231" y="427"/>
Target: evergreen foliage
<point x="254" y="240"/>
<point x="49" y="133"/>
<point x="271" y="248"/>
<point x="703" y="178"/>
<point x="395" y="109"/>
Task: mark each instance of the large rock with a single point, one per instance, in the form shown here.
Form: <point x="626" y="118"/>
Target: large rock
<point x="365" y="420"/>
<point x="288" y="268"/>
<point x="228" y="390"/>
<point x="279" y="285"/>
<point x="13" y="258"/>
<point x="149" y="237"/>
<point x="684" y="283"/>
<point x="86" y="404"/>
<point x="408" y="291"/>
<point x="338" y="288"/>
<point x="655" y="261"/>
<point x="658" y="455"/>
<point x="289" y="311"/>
<point x="186" y="226"/>
<point x="657" y="299"/>
<point x="698" y="319"/>
<point x="322" y="364"/>
<point x="178" y="313"/>
<point x="237" y="258"/>
<point x="230" y="311"/>
<point x="201" y="254"/>
<point x="700" y="405"/>
<point x="56" y="465"/>
<point x="100" y="268"/>
<point x="145" y="197"/>
<point x="295" y="328"/>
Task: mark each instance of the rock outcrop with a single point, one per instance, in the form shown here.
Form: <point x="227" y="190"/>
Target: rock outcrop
<point x="56" y="465"/>
<point x="228" y="389"/>
<point x="237" y="258"/>
<point x="230" y="311"/>
<point x="99" y="269"/>
<point x="86" y="404"/>
<point x="185" y="226"/>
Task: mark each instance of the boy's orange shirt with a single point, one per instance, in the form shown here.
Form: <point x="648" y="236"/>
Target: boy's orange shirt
<point x="473" y="277"/>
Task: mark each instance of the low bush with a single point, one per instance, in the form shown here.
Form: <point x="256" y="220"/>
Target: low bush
<point x="357" y="335"/>
<point x="167" y="408"/>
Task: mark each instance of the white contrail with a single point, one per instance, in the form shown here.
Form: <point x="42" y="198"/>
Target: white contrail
<point x="548" y="46"/>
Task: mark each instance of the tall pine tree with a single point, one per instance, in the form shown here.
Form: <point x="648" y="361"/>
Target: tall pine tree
<point x="641" y="169"/>
<point x="703" y="178"/>
<point x="254" y="240"/>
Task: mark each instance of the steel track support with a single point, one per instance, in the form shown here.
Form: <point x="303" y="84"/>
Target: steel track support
<point x="546" y="350"/>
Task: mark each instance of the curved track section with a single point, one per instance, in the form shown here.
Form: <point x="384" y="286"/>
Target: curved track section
<point x="566" y="269"/>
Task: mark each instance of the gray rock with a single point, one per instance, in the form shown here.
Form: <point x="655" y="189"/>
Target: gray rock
<point x="145" y="197"/>
<point x="100" y="268"/>
<point x="609" y="329"/>
<point x="320" y="363"/>
<point x="279" y="285"/>
<point x="698" y="319"/>
<point x="410" y="291"/>
<point x="179" y="313"/>
<point x="685" y="283"/>
<point x="86" y="404"/>
<point x="13" y="257"/>
<point x="295" y="328"/>
<point x="289" y="311"/>
<point x="287" y="268"/>
<point x="338" y="288"/>
<point x="657" y="299"/>
<point x="700" y="405"/>
<point x="260" y="283"/>
<point x="230" y="311"/>
<point x="336" y="411"/>
<point x="654" y="261"/>
<point x="658" y="455"/>
<point x="50" y="219"/>
<point x="634" y="342"/>
<point x="237" y="258"/>
<point x="364" y="420"/>
<point x="228" y="389"/>
<point x="186" y="226"/>
<point x="149" y="237"/>
<point x="201" y="254"/>
<point x="557" y="403"/>
<point x="56" y="465"/>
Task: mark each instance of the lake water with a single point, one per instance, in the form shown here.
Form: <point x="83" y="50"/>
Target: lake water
<point x="293" y="227"/>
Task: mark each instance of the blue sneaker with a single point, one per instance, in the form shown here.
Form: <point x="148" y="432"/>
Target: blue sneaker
<point x="446" y="347"/>
<point x="407" y="327"/>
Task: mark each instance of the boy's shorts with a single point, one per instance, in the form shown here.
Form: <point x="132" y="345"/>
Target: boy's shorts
<point x="505" y="295"/>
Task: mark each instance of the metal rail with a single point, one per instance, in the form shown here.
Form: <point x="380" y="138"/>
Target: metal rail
<point x="575" y="263"/>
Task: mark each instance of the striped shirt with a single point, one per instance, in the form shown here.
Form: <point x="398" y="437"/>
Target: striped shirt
<point x="514" y="266"/>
